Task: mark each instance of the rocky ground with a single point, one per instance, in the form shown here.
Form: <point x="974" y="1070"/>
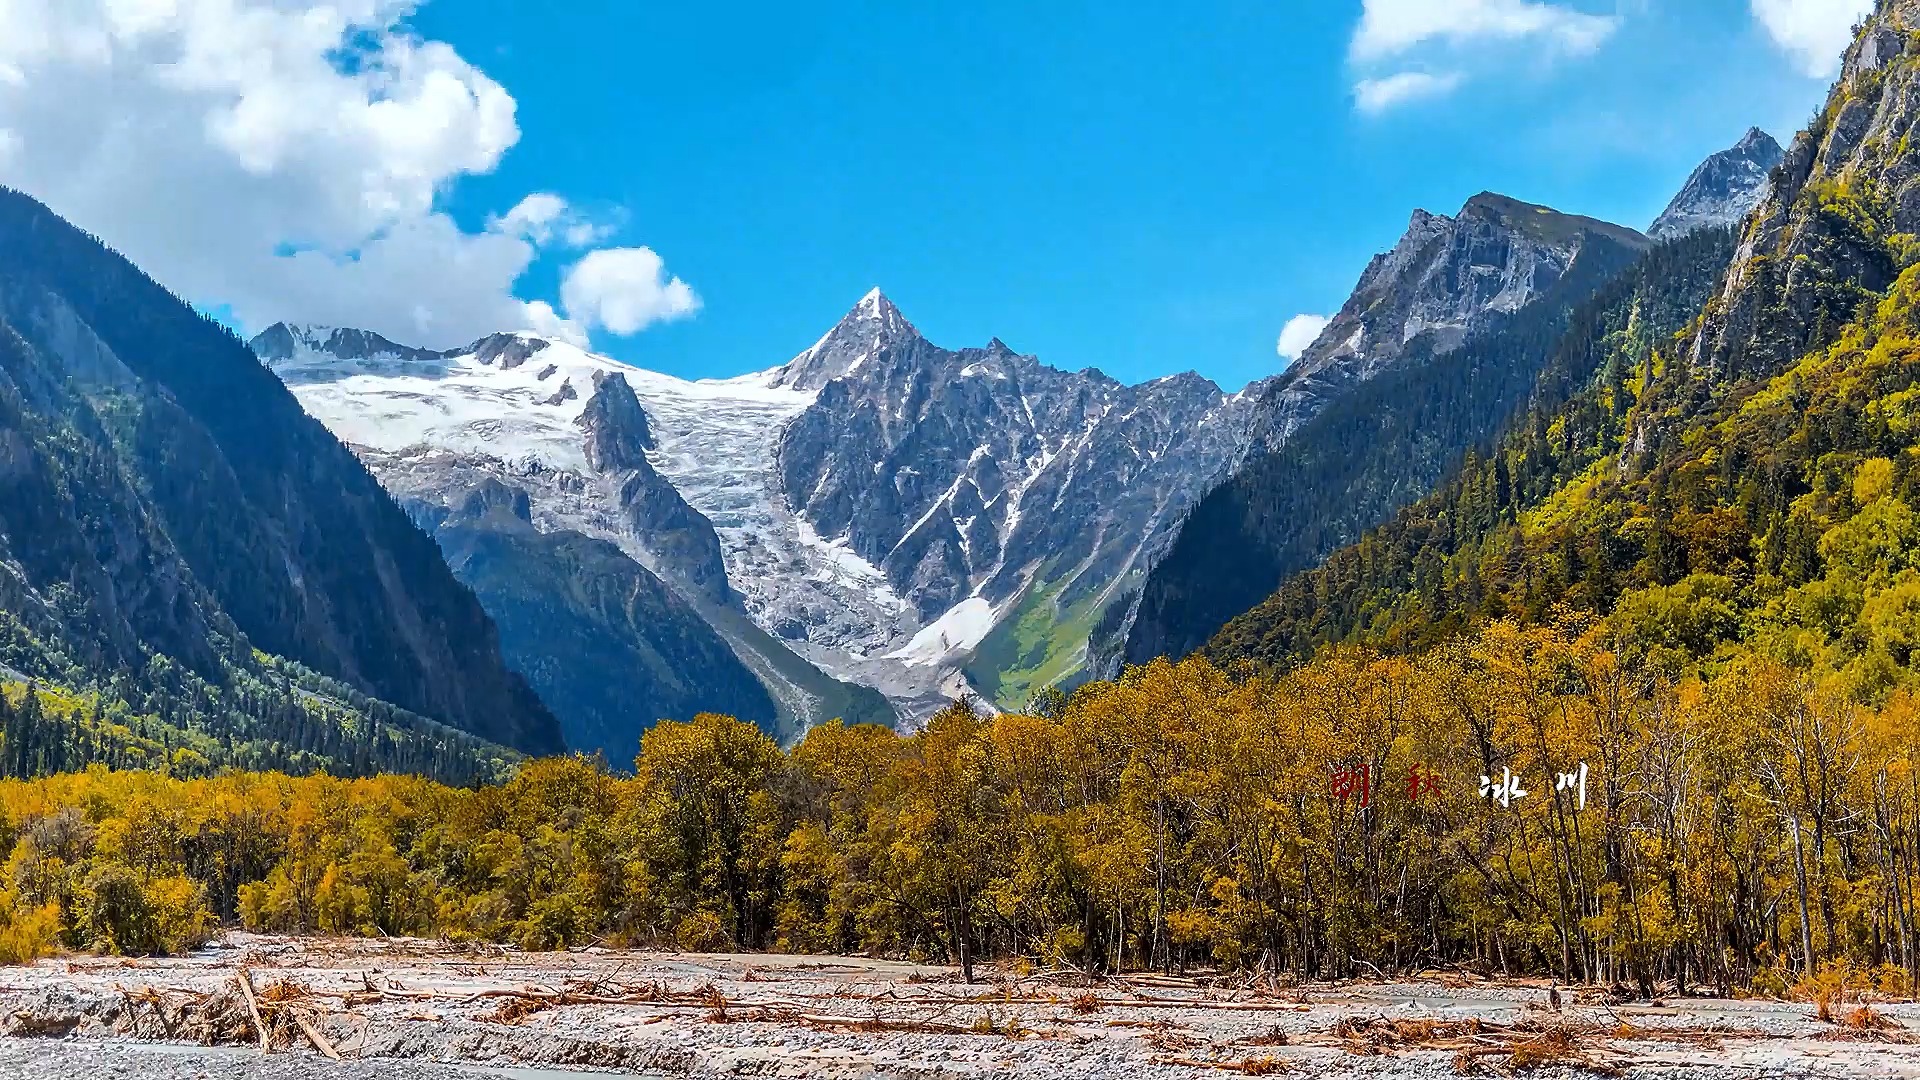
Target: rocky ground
<point x="385" y="1010"/>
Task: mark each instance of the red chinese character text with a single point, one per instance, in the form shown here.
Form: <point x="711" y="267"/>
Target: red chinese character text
<point x="1347" y="783"/>
<point x="1421" y="781"/>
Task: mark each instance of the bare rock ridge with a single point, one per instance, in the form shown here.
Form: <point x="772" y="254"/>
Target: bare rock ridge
<point x="507" y="350"/>
<point x="617" y="433"/>
<point x="680" y="541"/>
<point x="1723" y="190"/>
<point x="1813" y="250"/>
<point x="1449" y="275"/>
<point x="986" y="488"/>
<point x="1448" y="291"/>
<point x="279" y="341"/>
<point x="1447" y="279"/>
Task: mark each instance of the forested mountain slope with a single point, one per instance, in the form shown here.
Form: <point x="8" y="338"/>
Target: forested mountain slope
<point x="171" y="522"/>
<point x="1752" y="479"/>
<point x="1381" y="443"/>
<point x="609" y="646"/>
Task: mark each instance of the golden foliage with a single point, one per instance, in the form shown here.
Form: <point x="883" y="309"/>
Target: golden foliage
<point x="1751" y="830"/>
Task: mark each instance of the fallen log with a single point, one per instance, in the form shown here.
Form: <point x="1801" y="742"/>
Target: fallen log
<point x="318" y="1040"/>
<point x="245" y="979"/>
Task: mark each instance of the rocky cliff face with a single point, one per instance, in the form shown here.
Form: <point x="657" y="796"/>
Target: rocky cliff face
<point x="618" y="435"/>
<point x="1447" y="279"/>
<point x="680" y="540"/>
<point x="1820" y="243"/>
<point x="1723" y="190"/>
<point x="1438" y="344"/>
<point x="988" y="489"/>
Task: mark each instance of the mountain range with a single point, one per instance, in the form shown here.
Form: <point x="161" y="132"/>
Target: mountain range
<point x="1739" y="483"/>
<point x="880" y="524"/>
<point x="1547" y="492"/>
<point x="872" y="515"/>
<point x="517" y="545"/>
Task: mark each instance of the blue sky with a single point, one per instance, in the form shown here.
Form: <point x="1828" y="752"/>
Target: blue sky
<point x="1141" y="188"/>
<point x="704" y="189"/>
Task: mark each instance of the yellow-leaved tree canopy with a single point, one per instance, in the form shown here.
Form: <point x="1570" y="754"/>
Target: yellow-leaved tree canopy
<point x="1517" y="800"/>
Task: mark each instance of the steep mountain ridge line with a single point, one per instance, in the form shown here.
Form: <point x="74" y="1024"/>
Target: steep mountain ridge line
<point x="661" y="468"/>
<point x="1728" y="495"/>
<point x="282" y="527"/>
<point x="1444" y="281"/>
<point x="959" y="473"/>
<point x="1452" y="324"/>
<point x="1723" y="189"/>
<point x="1850" y="180"/>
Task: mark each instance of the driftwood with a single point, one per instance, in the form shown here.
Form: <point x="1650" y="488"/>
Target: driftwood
<point x="282" y="993"/>
<point x="1083" y="1002"/>
<point x="1479" y="1044"/>
<point x="1600" y="1042"/>
<point x="319" y="1041"/>
<point x="245" y="979"/>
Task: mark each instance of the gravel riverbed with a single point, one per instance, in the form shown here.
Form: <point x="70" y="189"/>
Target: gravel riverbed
<point x="413" y="1010"/>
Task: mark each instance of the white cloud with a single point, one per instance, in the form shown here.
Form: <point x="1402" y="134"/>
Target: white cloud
<point x="1391" y="27"/>
<point x="1813" y="32"/>
<point x="1375" y="96"/>
<point x="285" y="158"/>
<point x="548" y="323"/>
<point x="625" y="290"/>
<point x="544" y="217"/>
<point x="1300" y="332"/>
<point x="578" y="232"/>
<point x="532" y="217"/>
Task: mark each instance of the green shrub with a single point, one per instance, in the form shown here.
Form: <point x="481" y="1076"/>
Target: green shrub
<point x="116" y="912"/>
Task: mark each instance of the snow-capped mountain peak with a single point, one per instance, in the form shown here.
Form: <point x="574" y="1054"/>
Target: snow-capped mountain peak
<point x="873" y="326"/>
<point x="515" y="397"/>
<point x="1015" y="488"/>
<point x="680" y="475"/>
<point x="281" y="342"/>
